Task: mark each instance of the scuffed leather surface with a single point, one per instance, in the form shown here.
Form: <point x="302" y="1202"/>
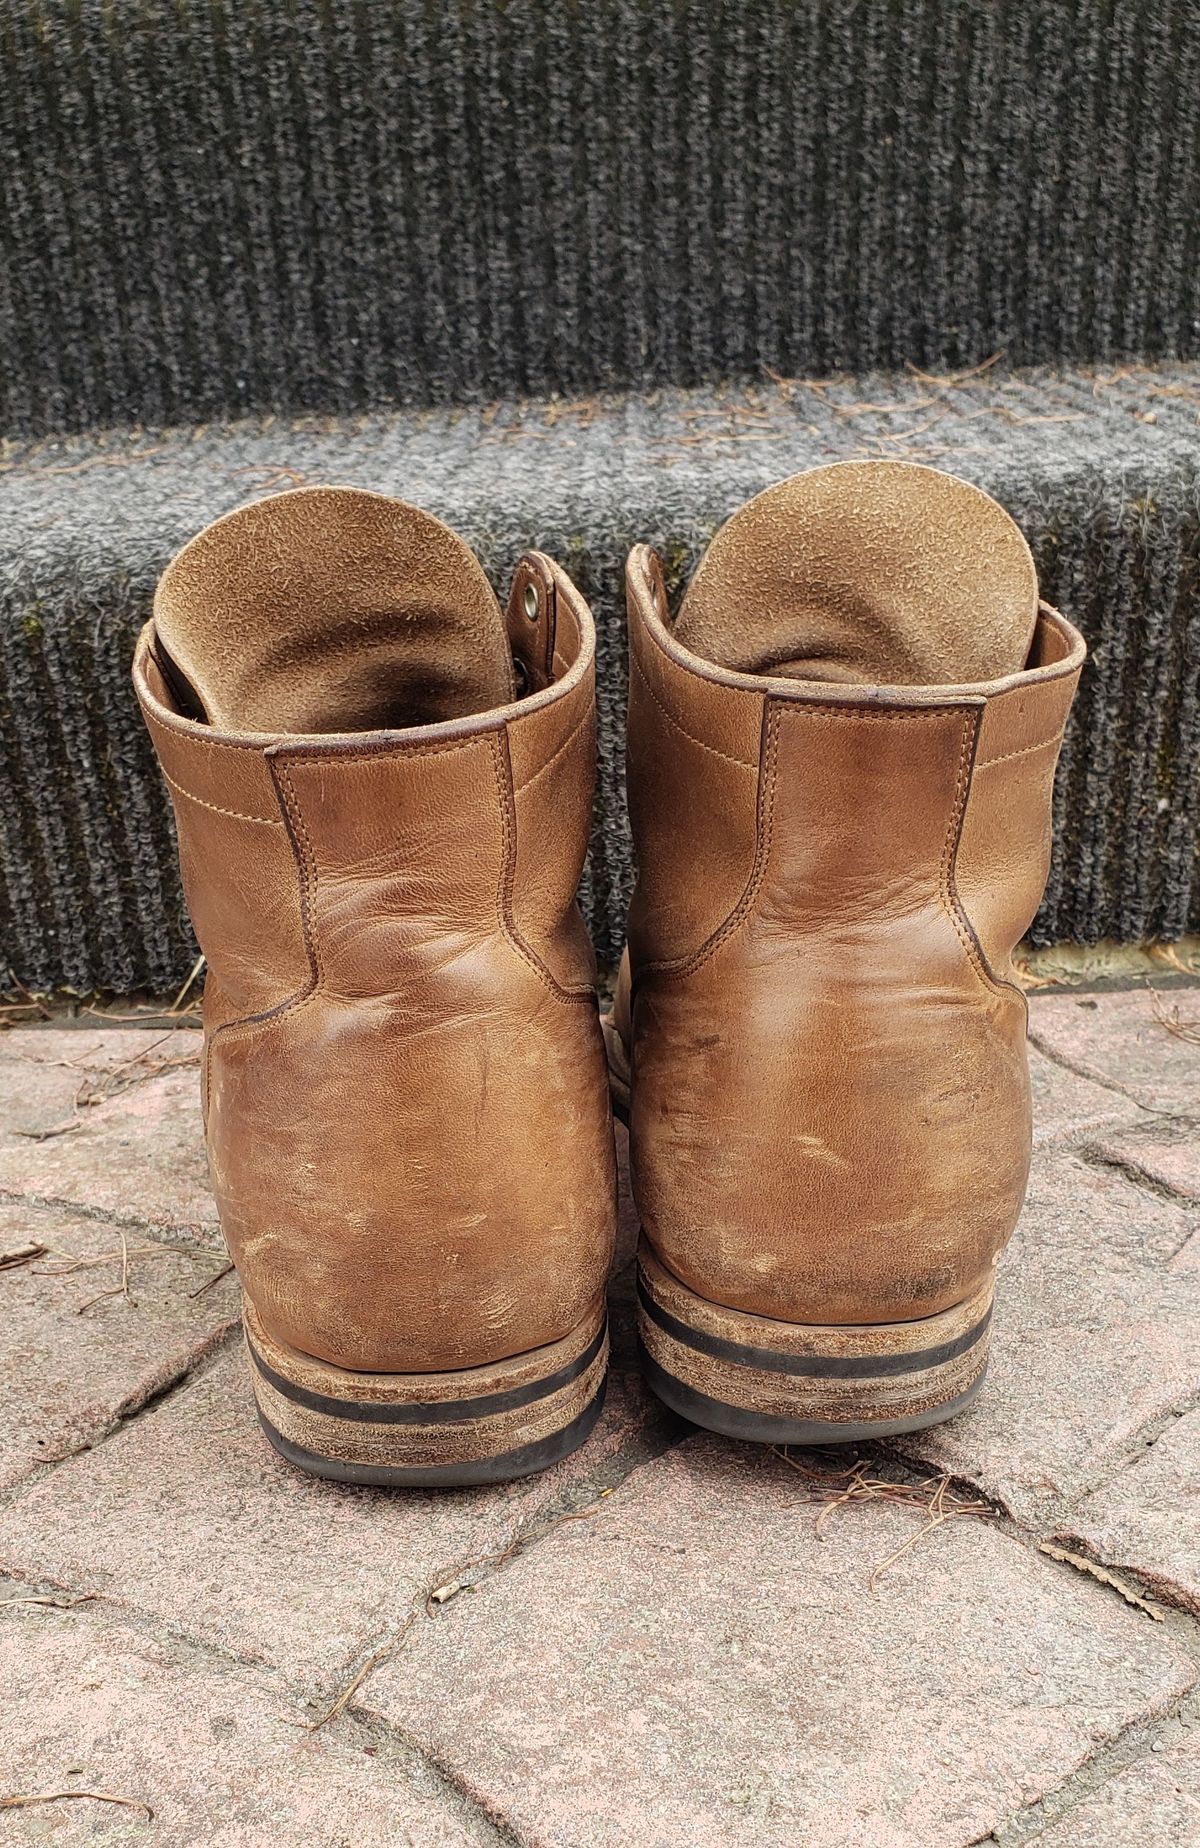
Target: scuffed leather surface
<point x="830" y="1104"/>
<point x="407" y="1113"/>
<point x="830" y="1107"/>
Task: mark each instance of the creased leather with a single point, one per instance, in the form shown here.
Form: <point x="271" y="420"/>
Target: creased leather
<point x="407" y="1117"/>
<point x="830" y="1110"/>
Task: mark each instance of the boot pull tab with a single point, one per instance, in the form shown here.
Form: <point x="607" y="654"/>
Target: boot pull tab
<point x="187" y="701"/>
<point x="657" y="582"/>
<point x="530" y="620"/>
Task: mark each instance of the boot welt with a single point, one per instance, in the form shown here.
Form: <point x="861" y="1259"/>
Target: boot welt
<point x="430" y="1430"/>
<point x="748" y="1376"/>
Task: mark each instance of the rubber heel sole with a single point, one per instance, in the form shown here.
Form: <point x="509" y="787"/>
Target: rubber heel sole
<point x="429" y="1430"/>
<point x="747" y="1376"/>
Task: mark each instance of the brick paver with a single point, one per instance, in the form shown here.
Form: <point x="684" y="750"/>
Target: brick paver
<point x="1125" y="1039"/>
<point x="218" y="1757"/>
<point x="1096" y="1335"/>
<point x="694" y="1665"/>
<point x="1146" y="1519"/>
<point x="76" y="1361"/>
<point x="1067" y="1106"/>
<point x="136" y="1152"/>
<point x="1167" y="1156"/>
<point x="1154" y="1803"/>
<point x="189" y="1517"/>
<point x="687" y="1662"/>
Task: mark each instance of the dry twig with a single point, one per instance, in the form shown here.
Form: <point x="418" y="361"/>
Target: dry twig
<point x="948" y="380"/>
<point x="905" y="407"/>
<point x="369" y="1666"/>
<point x="704" y="437"/>
<point x="1030" y="981"/>
<point x="26" y="1003"/>
<point x="466" y="1576"/>
<point x="56" y="1600"/>
<point x="123" y="461"/>
<point x="215" y="1278"/>
<point x="83" y="1057"/>
<point x="80" y="1262"/>
<point x="1015" y="417"/>
<point x="118" y="1289"/>
<point x="197" y="970"/>
<point x="112" y="1081"/>
<point x="58" y="1796"/>
<point x="1173" y="1021"/>
<point x="732" y="412"/>
<point x="1168" y="953"/>
<point x="275" y="471"/>
<point x="47" y="1135"/>
<point x="1102" y="382"/>
<point x="149" y="1016"/>
<point x="22" y="1254"/>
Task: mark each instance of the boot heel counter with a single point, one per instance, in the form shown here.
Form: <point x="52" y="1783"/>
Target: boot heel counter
<point x="237" y="861"/>
<point x="837" y="1088"/>
<point x="389" y="1201"/>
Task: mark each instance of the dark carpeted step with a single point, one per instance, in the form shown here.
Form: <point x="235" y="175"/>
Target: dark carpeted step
<point x="1099" y="468"/>
<point x="220" y="206"/>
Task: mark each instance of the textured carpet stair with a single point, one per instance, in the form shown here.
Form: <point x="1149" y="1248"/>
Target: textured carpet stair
<point x="220" y="206"/>
<point x="1101" y="469"/>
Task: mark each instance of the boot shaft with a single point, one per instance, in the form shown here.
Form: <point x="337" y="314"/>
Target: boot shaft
<point x="358" y="859"/>
<point x="818" y="808"/>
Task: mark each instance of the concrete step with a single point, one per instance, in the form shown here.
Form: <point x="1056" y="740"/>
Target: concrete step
<point x="212" y="209"/>
<point x="1099" y="467"/>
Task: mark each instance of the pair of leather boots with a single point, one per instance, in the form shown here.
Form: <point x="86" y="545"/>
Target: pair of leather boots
<point x="841" y="755"/>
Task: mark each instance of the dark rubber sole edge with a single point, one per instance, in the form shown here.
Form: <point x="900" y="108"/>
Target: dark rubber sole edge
<point x="756" y="1427"/>
<point x="527" y="1460"/>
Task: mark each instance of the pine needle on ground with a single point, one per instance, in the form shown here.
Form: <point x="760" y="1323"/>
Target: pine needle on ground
<point x="934" y="1497"/>
<point x="58" y="1796"/>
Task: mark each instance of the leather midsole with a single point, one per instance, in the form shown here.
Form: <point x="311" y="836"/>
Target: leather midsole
<point x="308" y="1374"/>
<point x="861" y="1374"/>
<point x="526" y="1460"/>
<point x="826" y="1366"/>
<point x="407" y="1421"/>
<point x="445" y="1411"/>
<point x="792" y="1341"/>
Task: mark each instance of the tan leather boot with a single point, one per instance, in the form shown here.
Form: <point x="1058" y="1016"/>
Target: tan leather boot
<point x="404" y="1084"/>
<point x="841" y="760"/>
